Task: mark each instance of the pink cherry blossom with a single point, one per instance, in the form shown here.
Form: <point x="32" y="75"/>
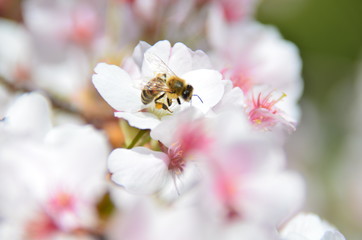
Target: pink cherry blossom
<point x="246" y="176"/>
<point x="143" y="171"/>
<point x="255" y="58"/>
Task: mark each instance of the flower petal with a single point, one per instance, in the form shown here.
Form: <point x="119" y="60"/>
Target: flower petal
<point x="162" y="50"/>
<point x="180" y="184"/>
<point x="29" y="115"/>
<point x="15" y="49"/>
<point x="140" y="120"/>
<point x="139" y="51"/>
<point x="167" y="130"/>
<point x="180" y="60"/>
<point x="139" y="171"/>
<point x="207" y="85"/>
<point x="80" y="152"/>
<point x="273" y="197"/>
<point x="200" y="60"/>
<point x="116" y="87"/>
<point x="233" y="97"/>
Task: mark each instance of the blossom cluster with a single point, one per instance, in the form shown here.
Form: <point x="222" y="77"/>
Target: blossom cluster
<point x="191" y="145"/>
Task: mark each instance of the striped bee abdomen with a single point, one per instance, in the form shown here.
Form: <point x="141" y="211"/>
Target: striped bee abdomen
<point x="148" y="95"/>
<point x="152" y="89"/>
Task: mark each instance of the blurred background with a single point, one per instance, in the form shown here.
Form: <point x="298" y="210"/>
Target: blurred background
<point x="327" y="146"/>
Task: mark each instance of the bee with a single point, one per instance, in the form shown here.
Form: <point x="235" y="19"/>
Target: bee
<point x="165" y="85"/>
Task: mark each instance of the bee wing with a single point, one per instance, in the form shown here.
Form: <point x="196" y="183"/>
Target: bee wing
<point x="156" y="84"/>
<point x="157" y="64"/>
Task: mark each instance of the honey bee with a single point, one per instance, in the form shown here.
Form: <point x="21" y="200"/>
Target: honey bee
<point x="165" y="84"/>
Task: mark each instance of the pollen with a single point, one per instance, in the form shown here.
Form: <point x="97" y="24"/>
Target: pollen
<point x="263" y="112"/>
<point x="258" y="121"/>
<point x="61" y="202"/>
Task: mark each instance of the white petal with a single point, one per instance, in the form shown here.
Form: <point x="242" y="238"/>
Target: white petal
<point x="15" y="48"/>
<point x="139" y="171"/>
<point x="200" y="60"/>
<point x="29" y="115"/>
<point x="131" y="67"/>
<point x="116" y="87"/>
<point x="274" y="197"/>
<point x="180" y="60"/>
<point x="167" y="130"/>
<point x="207" y="85"/>
<point x="270" y="55"/>
<point x="79" y="154"/>
<point x="162" y="50"/>
<point x="233" y="97"/>
<point x="140" y="120"/>
<point x="139" y="51"/>
<point x="179" y="185"/>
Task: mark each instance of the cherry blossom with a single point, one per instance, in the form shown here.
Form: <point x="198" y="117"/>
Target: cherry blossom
<point x="233" y="181"/>
<point x="61" y="46"/>
<point x="122" y="88"/>
<point x="258" y="61"/>
<point x="45" y="165"/>
<point x="246" y="175"/>
<point x="56" y="23"/>
<point x="173" y="169"/>
<point x="208" y="162"/>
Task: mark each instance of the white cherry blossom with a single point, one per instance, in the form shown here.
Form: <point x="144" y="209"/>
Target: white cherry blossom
<point x="122" y="88"/>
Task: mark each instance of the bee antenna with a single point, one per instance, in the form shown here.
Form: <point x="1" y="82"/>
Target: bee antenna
<point x="198" y="97"/>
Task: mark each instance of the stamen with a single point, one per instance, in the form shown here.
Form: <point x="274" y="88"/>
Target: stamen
<point x="266" y="102"/>
<point x="263" y="112"/>
<point x="177" y="162"/>
<point x="176" y="156"/>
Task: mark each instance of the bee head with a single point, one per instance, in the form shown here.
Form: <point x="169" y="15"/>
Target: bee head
<point x="187" y="93"/>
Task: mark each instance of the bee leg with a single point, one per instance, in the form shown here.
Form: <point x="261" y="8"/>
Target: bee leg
<point x="178" y="101"/>
<point x="169" y="102"/>
<point x="166" y="108"/>
<point x="159" y="97"/>
<point x="160" y="105"/>
<point x="164" y="76"/>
